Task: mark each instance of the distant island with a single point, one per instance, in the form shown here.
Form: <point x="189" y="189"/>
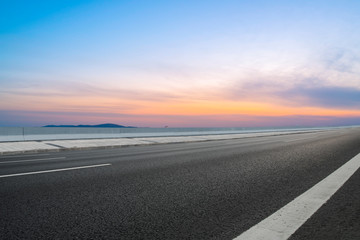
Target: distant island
<point x="105" y="125"/>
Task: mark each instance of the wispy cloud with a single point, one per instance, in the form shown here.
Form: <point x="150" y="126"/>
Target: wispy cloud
<point x="342" y="60"/>
<point x="85" y="90"/>
<point x="299" y="95"/>
<point x="328" y="97"/>
<point x="296" y="90"/>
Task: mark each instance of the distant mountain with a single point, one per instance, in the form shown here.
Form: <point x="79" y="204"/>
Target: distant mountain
<point x="105" y="125"/>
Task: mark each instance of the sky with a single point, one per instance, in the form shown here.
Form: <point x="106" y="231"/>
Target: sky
<point x="180" y="63"/>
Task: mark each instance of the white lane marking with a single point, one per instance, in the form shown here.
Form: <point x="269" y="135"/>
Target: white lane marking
<point x="32" y="160"/>
<point x="18" y="156"/>
<point x="283" y="223"/>
<point x="55" y="170"/>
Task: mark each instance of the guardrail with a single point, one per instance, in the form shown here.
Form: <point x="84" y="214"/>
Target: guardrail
<point x="56" y="133"/>
<point x="9" y="134"/>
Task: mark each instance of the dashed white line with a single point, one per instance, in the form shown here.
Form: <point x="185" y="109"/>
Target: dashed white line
<point x="31" y="160"/>
<point x="283" y="223"/>
<point x="18" y="156"/>
<point x="54" y="170"/>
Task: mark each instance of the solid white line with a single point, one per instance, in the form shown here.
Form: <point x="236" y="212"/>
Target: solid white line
<point x="55" y="170"/>
<point x="32" y="160"/>
<point x="283" y="223"/>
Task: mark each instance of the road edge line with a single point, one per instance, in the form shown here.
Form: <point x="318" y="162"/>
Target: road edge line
<point x="284" y="222"/>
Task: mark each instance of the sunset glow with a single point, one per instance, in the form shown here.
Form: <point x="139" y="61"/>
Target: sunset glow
<point x="180" y="63"/>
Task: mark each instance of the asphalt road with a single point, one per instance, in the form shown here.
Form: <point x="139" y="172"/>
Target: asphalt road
<point x="202" y="190"/>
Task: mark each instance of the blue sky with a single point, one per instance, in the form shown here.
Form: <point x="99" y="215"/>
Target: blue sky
<point x="179" y="58"/>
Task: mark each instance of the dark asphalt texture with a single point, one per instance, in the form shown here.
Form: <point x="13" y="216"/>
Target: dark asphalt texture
<point x="202" y="190"/>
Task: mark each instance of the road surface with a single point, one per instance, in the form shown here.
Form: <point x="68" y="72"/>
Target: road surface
<point x="202" y="190"/>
